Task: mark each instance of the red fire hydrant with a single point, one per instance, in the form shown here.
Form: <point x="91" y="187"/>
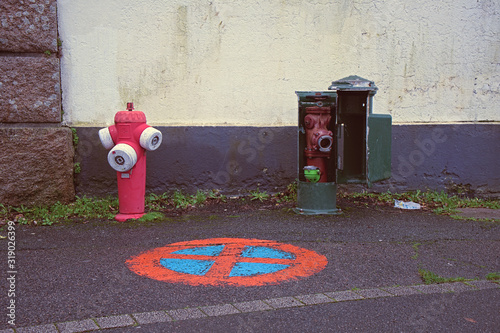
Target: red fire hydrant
<point x="319" y="139"/>
<point x="130" y="137"/>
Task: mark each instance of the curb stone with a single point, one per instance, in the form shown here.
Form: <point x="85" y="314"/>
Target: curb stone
<point x="129" y="320"/>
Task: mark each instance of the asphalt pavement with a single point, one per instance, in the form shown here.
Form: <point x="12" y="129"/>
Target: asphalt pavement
<point x="74" y="277"/>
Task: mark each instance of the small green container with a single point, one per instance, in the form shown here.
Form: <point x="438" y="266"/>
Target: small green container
<point x="312" y="173"/>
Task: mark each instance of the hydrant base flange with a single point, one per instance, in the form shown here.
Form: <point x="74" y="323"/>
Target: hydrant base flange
<point x="304" y="211"/>
<point x="317" y="199"/>
<point x="120" y="217"/>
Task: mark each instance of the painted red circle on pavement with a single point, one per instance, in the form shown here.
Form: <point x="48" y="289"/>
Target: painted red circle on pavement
<point x="227" y="262"/>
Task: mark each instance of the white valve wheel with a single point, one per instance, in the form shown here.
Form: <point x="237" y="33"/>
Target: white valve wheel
<point x="150" y="139"/>
<point x="122" y="157"/>
<point x="106" y="139"/>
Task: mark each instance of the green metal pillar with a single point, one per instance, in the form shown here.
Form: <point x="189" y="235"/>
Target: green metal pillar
<point x="357" y="148"/>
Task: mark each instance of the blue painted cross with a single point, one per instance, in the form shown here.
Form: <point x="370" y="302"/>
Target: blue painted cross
<point x="248" y="261"/>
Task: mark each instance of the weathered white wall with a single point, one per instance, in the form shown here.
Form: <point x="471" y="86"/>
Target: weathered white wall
<point x="239" y="62"/>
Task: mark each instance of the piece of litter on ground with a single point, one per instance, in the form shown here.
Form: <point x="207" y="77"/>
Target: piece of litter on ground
<point x="406" y="204"/>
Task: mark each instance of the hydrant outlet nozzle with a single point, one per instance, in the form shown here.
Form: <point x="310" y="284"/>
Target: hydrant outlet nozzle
<point x="122" y="157"/>
<point x="106" y="138"/>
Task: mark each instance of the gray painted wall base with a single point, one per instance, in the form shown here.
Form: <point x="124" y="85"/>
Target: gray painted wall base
<point x="459" y="158"/>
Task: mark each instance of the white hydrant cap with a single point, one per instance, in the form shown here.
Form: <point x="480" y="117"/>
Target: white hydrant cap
<point x="150" y="139"/>
<point x="122" y="157"/>
<point x="106" y="139"/>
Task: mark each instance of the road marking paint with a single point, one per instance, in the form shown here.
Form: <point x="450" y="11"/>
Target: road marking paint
<point x="227" y="262"/>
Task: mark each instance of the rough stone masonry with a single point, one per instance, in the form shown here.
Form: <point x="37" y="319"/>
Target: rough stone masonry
<point x="36" y="152"/>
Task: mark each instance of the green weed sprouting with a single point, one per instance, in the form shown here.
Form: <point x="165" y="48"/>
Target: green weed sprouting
<point x="258" y="195"/>
<point x="75" y="137"/>
<point x="181" y="200"/>
<point x="82" y="207"/>
<point x="438" y="202"/>
<point x="430" y="278"/>
<point x="493" y="276"/>
<point x="77" y="168"/>
<point x="106" y="208"/>
<point x="289" y="195"/>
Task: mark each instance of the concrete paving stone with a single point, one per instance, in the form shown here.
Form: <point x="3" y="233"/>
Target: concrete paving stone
<point x="77" y="326"/>
<point x="480" y="213"/>
<point x="314" y="299"/>
<point x="183" y="314"/>
<point x="373" y="293"/>
<point x="49" y="328"/>
<point x="456" y="286"/>
<point x="401" y="291"/>
<point x="483" y="284"/>
<point x="283" y="302"/>
<point x="252" y="306"/>
<point x="430" y="288"/>
<point x="152" y="317"/>
<point x="219" y="310"/>
<point x="115" y="321"/>
<point x="347" y="295"/>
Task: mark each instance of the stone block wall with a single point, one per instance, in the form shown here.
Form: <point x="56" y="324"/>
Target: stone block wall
<point x="36" y="151"/>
